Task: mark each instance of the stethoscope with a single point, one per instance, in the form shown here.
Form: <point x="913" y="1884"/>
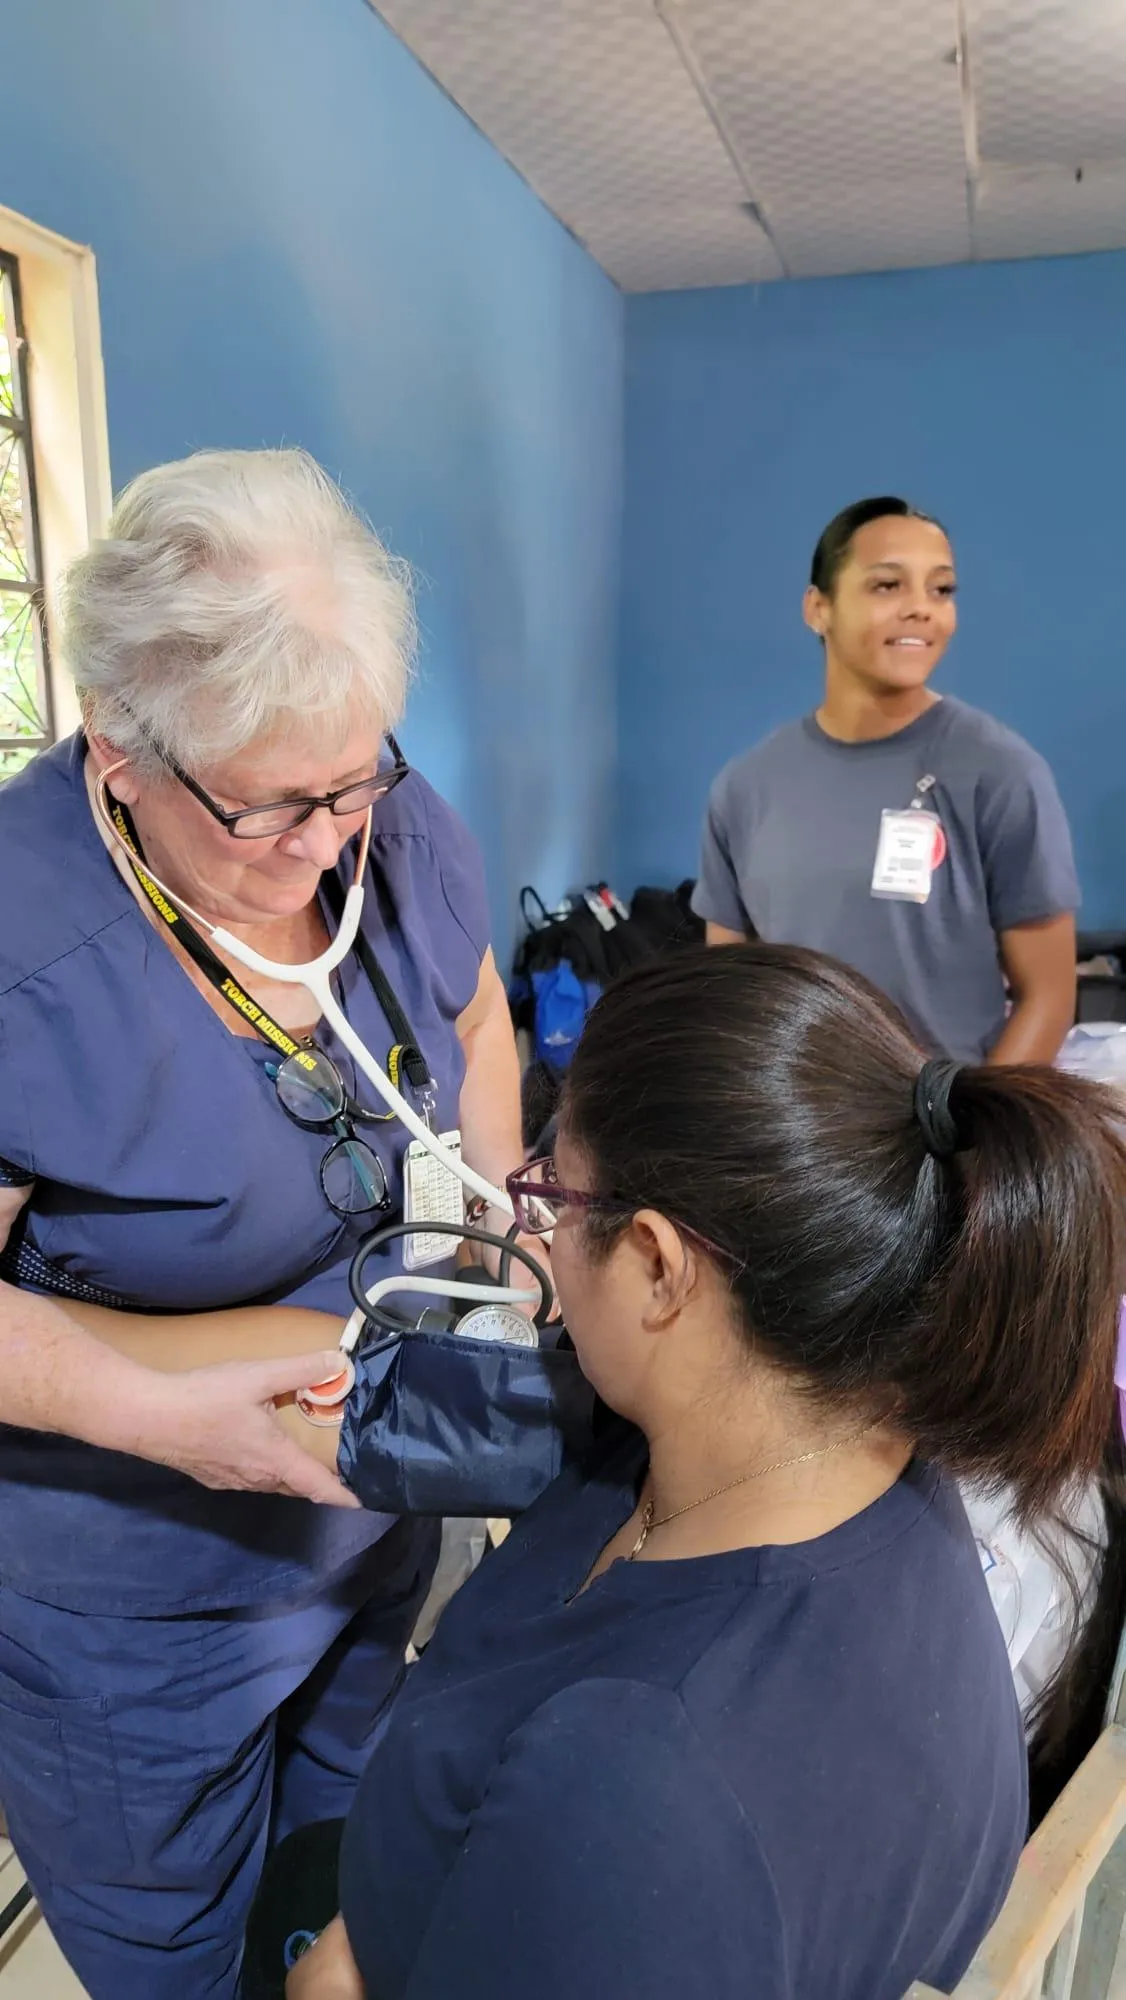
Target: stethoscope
<point x="316" y="978"/>
<point x="494" y="1311"/>
<point x="493" y="1315"/>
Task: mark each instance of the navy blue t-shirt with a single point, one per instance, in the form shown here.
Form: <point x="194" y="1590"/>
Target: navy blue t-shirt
<point x="165" y="1170"/>
<point x="778" y="1774"/>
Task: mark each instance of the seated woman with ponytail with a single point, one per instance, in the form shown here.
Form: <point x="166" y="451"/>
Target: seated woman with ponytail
<point x="730" y="1713"/>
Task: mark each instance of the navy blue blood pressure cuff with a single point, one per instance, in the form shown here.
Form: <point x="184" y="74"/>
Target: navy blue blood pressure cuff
<point x="442" y="1424"/>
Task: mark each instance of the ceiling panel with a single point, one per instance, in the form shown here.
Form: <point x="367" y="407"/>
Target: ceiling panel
<point x="682" y="247"/>
<point x="655" y="128"/>
<point x="1045" y="212"/>
<point x="815" y="92"/>
<point x="1050" y="80"/>
<point x="588" y="98"/>
<point x="896" y="223"/>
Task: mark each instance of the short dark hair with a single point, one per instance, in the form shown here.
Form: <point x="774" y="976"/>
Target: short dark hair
<point x="831" y="553"/>
<point x="762" y="1097"/>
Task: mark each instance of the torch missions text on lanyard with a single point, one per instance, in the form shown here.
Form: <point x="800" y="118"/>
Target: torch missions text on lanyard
<point x="911" y="846"/>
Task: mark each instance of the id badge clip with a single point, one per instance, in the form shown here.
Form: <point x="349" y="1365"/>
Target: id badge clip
<point x="431" y="1193"/>
<point x="910" y="847"/>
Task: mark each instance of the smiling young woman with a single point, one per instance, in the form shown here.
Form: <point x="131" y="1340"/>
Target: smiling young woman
<point x="900" y="830"/>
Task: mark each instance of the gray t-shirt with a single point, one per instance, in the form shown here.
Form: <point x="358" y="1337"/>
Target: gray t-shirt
<point x="790" y="845"/>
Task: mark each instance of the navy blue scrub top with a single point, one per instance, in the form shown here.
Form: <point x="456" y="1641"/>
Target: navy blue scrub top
<point x="166" y="1171"/>
<point x="777" y="1774"/>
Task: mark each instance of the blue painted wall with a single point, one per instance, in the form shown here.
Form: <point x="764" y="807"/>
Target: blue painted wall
<point x="300" y="239"/>
<point x="993" y="396"/>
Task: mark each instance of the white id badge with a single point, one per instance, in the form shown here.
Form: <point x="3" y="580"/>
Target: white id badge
<point x="909" y="849"/>
<point x="431" y="1193"/>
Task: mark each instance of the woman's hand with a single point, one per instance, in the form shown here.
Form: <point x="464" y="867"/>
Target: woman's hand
<point x="119" y="1380"/>
<point x="219" y="1426"/>
<point x="327" y="1971"/>
<point x="215" y="1420"/>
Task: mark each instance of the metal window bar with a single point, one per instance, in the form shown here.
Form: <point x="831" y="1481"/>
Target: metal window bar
<point x="13" y="1911"/>
<point x="17" y="424"/>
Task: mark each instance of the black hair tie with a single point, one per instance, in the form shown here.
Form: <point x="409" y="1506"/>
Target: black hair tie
<point x="933" y="1085"/>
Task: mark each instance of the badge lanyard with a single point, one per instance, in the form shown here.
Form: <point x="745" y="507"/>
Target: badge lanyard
<point x="911" y="846"/>
<point x="405" y="1057"/>
<point x="431" y="1193"/>
<point x="316" y="977"/>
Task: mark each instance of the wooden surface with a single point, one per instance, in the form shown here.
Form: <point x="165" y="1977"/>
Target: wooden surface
<point x="1050" y="1884"/>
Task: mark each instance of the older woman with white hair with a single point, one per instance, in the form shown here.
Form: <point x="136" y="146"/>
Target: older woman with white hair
<point x="186" y="1673"/>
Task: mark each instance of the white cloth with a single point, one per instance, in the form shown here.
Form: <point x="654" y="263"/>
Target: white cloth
<point x="1037" y="1590"/>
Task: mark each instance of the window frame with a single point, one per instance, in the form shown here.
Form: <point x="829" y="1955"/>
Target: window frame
<point x="64" y="386"/>
<point x="21" y="426"/>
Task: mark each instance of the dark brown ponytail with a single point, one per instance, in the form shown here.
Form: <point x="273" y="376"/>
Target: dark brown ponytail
<point x="1026" y="1288"/>
<point x="764" y="1097"/>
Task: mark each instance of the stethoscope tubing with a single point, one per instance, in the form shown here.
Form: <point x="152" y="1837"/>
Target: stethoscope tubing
<point x="316" y="978"/>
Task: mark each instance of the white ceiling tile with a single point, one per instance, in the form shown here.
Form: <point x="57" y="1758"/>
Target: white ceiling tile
<point x="876" y="226"/>
<point x="587" y="98"/>
<point x="1028" y="212"/>
<point x="649" y="126"/>
<point x="1050" y="80"/>
<point x="816" y="92"/>
<point x="680" y="248"/>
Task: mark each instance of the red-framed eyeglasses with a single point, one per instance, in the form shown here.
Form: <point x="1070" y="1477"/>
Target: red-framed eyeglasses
<point x="538" y="1201"/>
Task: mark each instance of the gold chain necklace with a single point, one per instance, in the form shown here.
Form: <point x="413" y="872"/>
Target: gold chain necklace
<point x="648" y="1524"/>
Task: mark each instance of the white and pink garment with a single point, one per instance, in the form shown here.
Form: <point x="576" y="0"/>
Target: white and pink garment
<point x="1037" y="1583"/>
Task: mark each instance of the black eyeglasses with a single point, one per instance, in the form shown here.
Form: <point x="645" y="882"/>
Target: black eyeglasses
<point x="282" y="815"/>
<point x="311" y="1090"/>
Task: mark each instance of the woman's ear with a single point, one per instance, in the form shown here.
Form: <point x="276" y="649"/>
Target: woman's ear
<point x="815" y="610"/>
<point x="105" y="756"/>
<point x="667" y="1264"/>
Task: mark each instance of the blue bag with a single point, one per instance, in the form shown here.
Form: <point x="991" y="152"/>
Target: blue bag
<point x="566" y="958"/>
<point x="562" y="1002"/>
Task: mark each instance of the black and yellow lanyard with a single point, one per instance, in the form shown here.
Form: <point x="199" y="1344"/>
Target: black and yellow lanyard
<point x="405" y="1058"/>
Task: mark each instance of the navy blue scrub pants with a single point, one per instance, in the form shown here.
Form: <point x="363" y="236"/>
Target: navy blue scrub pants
<point x="148" y="1764"/>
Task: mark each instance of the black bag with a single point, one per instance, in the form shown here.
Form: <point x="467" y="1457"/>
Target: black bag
<point x="564" y="961"/>
<point x="1101" y="991"/>
<point x="298" y="1897"/>
<point x="595" y="947"/>
<point x="664" y="918"/>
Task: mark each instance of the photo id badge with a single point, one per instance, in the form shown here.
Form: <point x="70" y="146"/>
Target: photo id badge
<point x="430" y="1194"/>
<point x="910" y="848"/>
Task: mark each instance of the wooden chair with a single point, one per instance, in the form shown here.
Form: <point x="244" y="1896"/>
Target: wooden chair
<point x="1060" y="1933"/>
